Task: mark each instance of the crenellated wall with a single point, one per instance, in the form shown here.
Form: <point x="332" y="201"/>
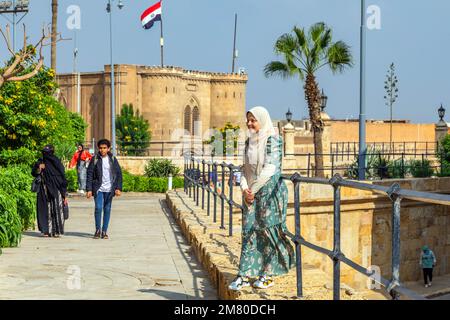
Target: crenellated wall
<point x="161" y="96"/>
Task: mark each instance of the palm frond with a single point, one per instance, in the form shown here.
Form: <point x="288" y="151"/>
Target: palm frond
<point x="316" y="30"/>
<point x="285" y="43"/>
<point x="278" y="68"/>
<point x="339" y="57"/>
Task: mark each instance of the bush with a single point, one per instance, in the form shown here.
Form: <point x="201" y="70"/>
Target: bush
<point x="18" y="157"/>
<point x="128" y="181"/>
<point x="10" y="226"/>
<point x="72" y="180"/>
<point x="16" y="183"/>
<point x="443" y="155"/>
<point x="161" y="168"/>
<point x="420" y="169"/>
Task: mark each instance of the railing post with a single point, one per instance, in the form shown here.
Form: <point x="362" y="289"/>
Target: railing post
<point x="309" y="162"/>
<point x="332" y="165"/>
<point x="197" y="183"/>
<point x="184" y="173"/>
<point x="209" y="190"/>
<point x="215" y="191"/>
<point x="162" y="149"/>
<point x="230" y="202"/>
<point x="203" y="184"/>
<point x="336" y="238"/>
<point x="222" y="195"/>
<point x="396" y="206"/>
<point x="298" y="245"/>
<point x="191" y="165"/>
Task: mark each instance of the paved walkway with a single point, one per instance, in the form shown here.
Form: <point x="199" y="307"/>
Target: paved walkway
<point x="440" y="290"/>
<point x="146" y="257"/>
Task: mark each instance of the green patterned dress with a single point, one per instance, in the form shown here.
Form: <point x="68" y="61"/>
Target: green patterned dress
<point x="266" y="249"/>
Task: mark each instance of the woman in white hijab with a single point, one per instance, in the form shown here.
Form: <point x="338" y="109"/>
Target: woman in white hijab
<point x="266" y="250"/>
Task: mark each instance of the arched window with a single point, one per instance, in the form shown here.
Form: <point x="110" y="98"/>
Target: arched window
<point x="187" y="119"/>
<point x="195" y="118"/>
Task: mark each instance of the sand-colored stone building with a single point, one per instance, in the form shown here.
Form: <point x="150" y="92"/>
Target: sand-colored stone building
<point x="170" y="98"/>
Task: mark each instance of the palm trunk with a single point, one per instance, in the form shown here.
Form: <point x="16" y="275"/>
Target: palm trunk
<point x="54" y="33"/>
<point x="312" y="95"/>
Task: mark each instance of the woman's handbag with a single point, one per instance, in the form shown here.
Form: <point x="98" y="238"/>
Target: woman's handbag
<point x="36" y="183"/>
<point x="66" y="211"/>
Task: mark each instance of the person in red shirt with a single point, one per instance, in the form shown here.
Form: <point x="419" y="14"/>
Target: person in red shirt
<point x="81" y="159"/>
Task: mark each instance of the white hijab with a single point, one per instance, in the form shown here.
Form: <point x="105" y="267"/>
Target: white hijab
<point x="258" y="141"/>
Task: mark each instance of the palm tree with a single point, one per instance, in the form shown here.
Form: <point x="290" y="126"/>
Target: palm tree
<point x="303" y="55"/>
<point x="54" y="33"/>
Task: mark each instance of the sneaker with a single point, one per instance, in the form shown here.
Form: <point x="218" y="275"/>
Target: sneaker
<point x="97" y="234"/>
<point x="104" y="235"/>
<point x="239" y="283"/>
<point x="263" y="282"/>
<point x="429" y="284"/>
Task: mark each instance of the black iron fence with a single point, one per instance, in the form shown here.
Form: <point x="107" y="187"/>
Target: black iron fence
<point x="378" y="165"/>
<point x="348" y="150"/>
<point x="204" y="175"/>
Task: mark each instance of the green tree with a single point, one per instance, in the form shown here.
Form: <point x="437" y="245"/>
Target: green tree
<point x="303" y="54"/>
<point x="132" y="131"/>
<point x="30" y="117"/>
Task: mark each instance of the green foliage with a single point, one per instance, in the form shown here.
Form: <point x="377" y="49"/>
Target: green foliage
<point x="10" y="226"/>
<point x="72" y="180"/>
<point x="420" y="169"/>
<point x="128" y="181"/>
<point x="161" y="168"/>
<point x="225" y="140"/>
<point x="18" y="204"/>
<point x="443" y="155"/>
<point x="133" y="183"/>
<point x="132" y="130"/>
<point x="30" y="117"/>
<point x="17" y="157"/>
<point x="378" y="167"/>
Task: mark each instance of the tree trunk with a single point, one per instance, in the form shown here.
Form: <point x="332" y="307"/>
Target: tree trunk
<point x="312" y="94"/>
<point x="54" y="33"/>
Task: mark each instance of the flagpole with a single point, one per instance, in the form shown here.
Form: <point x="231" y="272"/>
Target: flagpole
<point x="162" y="40"/>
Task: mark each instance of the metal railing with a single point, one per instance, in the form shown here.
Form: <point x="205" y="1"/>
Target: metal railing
<point x="399" y="162"/>
<point x="196" y="178"/>
<point x="350" y="149"/>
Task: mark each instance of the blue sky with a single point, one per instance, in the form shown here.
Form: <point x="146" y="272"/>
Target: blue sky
<point x="199" y="35"/>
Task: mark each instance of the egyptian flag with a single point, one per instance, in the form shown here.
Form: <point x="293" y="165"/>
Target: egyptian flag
<point x="151" y="15"/>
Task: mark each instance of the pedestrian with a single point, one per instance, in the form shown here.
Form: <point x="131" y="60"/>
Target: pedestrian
<point x="104" y="181"/>
<point x="52" y="193"/>
<point x="266" y="250"/>
<point x="80" y="160"/>
<point x="427" y="262"/>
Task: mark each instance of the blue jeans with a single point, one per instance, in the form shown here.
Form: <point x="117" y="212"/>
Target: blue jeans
<point x="103" y="202"/>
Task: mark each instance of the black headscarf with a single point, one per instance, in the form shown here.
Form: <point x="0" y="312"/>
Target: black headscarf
<point x="54" y="176"/>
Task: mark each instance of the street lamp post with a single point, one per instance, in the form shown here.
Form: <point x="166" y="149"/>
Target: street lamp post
<point x="362" y="106"/>
<point x="323" y="101"/>
<point x="14" y="7"/>
<point x="120" y="5"/>
<point x="289" y="116"/>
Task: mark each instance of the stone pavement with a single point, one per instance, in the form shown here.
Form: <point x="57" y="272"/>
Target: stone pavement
<point x="440" y="289"/>
<point x="146" y="257"/>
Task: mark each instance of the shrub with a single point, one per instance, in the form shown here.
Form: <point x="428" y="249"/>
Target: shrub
<point x="128" y="181"/>
<point x="17" y="157"/>
<point x="16" y="183"/>
<point x="420" y="168"/>
<point x="72" y="180"/>
<point x="160" y="168"/>
<point x="443" y="154"/>
<point x="10" y="225"/>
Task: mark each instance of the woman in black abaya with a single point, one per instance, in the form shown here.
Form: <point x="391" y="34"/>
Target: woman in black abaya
<point x="52" y="194"/>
